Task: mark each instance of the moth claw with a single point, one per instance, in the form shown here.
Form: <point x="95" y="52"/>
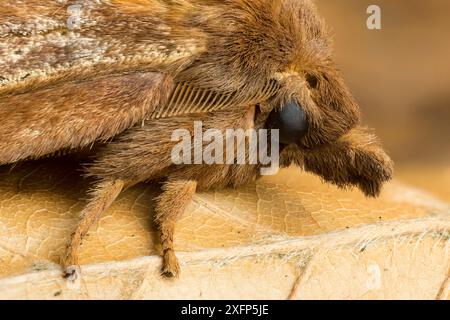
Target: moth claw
<point x="378" y="168"/>
<point x="72" y="273"/>
<point x="171" y="267"/>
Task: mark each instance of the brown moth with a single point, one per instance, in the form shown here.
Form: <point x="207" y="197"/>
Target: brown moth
<point x="125" y="74"/>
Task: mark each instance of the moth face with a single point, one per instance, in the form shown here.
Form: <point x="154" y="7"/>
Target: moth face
<point x="312" y="108"/>
<point x="309" y="80"/>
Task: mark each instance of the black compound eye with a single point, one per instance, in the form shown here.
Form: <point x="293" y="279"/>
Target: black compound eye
<point x="291" y="121"/>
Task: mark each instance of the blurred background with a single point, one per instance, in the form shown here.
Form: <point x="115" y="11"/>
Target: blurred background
<point x="400" y="75"/>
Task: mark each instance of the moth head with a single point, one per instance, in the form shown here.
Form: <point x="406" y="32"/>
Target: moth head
<point x="320" y="103"/>
<point x="316" y="114"/>
<point x="309" y="80"/>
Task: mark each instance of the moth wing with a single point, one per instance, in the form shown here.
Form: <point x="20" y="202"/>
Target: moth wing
<point x="72" y="73"/>
<point x="63" y="41"/>
<point x="64" y="85"/>
<point x="76" y="114"/>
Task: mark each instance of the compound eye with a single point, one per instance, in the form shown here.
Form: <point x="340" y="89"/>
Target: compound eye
<point x="290" y="120"/>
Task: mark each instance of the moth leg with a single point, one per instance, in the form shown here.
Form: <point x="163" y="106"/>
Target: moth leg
<point x="170" y="205"/>
<point x="103" y="195"/>
<point x="355" y="159"/>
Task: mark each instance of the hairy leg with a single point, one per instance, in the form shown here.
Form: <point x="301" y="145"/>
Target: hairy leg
<point x="171" y="204"/>
<point x="355" y="159"/>
<point x="103" y="195"/>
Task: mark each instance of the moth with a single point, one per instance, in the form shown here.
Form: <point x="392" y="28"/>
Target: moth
<point x="125" y="74"/>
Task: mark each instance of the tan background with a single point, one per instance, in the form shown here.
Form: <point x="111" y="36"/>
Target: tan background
<point x="401" y="77"/>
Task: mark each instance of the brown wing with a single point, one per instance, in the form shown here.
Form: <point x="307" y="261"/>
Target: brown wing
<point x="76" y="114"/>
<point x="66" y="86"/>
<point x="75" y="72"/>
<point x="51" y="42"/>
